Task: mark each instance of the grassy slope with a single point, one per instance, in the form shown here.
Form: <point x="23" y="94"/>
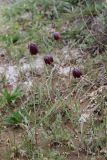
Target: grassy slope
<point x="49" y="115"/>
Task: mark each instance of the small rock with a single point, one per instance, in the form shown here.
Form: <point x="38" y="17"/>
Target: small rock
<point x="25" y="68"/>
<point x="12" y="75"/>
<point x="62" y="71"/>
<point x="84" y="117"/>
<point x="2" y="70"/>
<point x="23" y="60"/>
<point x="27" y="85"/>
<point x="36" y="66"/>
<point x="65" y="71"/>
<point x="71" y="55"/>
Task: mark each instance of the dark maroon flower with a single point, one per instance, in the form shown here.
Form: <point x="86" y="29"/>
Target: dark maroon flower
<point x="48" y="59"/>
<point x="57" y="36"/>
<point x="76" y="73"/>
<point x="33" y="49"/>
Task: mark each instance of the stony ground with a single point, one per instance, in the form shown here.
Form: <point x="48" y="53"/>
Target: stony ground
<point x="45" y="113"/>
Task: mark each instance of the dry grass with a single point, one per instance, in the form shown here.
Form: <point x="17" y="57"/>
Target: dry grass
<point x="58" y="117"/>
